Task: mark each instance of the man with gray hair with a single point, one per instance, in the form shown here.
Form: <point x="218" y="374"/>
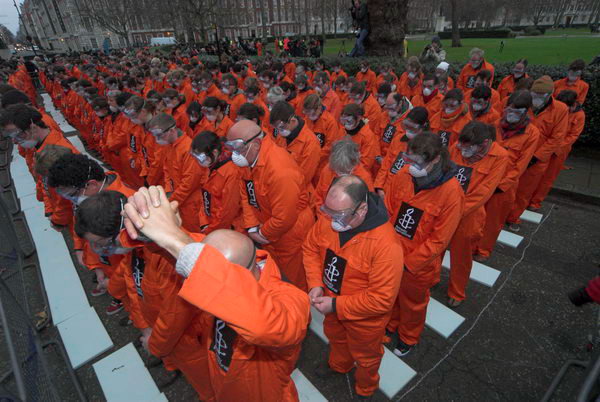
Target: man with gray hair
<point x="275" y="95"/>
<point x="353" y="266"/>
<point x="344" y="160"/>
<point x="466" y="79"/>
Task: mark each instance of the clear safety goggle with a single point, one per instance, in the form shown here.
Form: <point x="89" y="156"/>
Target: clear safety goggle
<point x="236" y="145"/>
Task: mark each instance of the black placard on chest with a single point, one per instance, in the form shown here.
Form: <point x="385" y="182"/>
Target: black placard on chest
<point x="445" y="136"/>
<point x="206" y="198"/>
<point x="398" y="164"/>
<point x="407" y="221"/>
<point x="138" y="266"/>
<point x="388" y="133"/>
<point x="463" y="175"/>
<point x="321" y="138"/>
<point x="251" y="193"/>
<point x="222" y="344"/>
<point x="334" y="268"/>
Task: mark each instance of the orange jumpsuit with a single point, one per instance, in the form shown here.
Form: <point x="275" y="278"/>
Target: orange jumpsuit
<point x="221" y="197"/>
<point x="367" y="144"/>
<point x="576" y="124"/>
<point x="425" y="222"/>
<point x="123" y="142"/>
<point x="220" y="128"/>
<point x="183" y="178"/>
<point x="553" y="123"/>
<point x="328" y="130"/>
<point x="305" y="149"/>
<point x="253" y="338"/>
<point x="152" y="158"/>
<point x="327" y="177"/>
<point x="363" y="275"/>
<point x="405" y="89"/>
<point x="479" y="180"/>
<point x="495" y="100"/>
<point x="369" y="78"/>
<point x="580" y="87"/>
<point x="507" y="85"/>
<point x="233" y="104"/>
<point x="392" y="163"/>
<point x="332" y="104"/>
<point x="372" y="112"/>
<point x="491" y="117"/>
<point x="389" y="133"/>
<point x="433" y="106"/>
<point x="274" y="196"/>
<point x="520" y="149"/>
<point x="181" y="117"/>
<point x="449" y="127"/>
<point x="466" y="79"/>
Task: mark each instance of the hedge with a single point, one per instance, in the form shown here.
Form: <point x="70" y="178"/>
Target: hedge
<point x="480" y="33"/>
<point x="588" y="138"/>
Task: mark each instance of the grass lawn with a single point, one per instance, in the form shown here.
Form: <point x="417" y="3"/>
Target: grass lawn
<point x="538" y="50"/>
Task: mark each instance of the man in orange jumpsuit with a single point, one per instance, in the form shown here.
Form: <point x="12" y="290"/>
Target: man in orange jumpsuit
<point x="294" y="136"/>
<point x="481" y="164"/>
<point x="425" y="202"/>
<point x="372" y="111"/>
<point x="509" y="83"/>
<point x="253" y="340"/>
<point x="573" y="81"/>
<point x="519" y="137"/>
<point x="467" y="77"/>
<point x="454" y="115"/>
<point x="353" y="262"/>
<point x="329" y="98"/>
<point x="576" y="124"/>
<point x="275" y="201"/>
<point x="182" y="175"/>
<point x="430" y="96"/>
<point x="367" y="76"/>
<point x="396" y="109"/>
<point x="481" y="107"/>
<point x="551" y="117"/>
<point x="409" y="83"/>
<point x="360" y="132"/>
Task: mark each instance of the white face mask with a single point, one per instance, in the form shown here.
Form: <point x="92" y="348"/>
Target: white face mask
<point x="392" y="113"/>
<point x="475" y="64"/>
<point x="239" y="160"/>
<point x="348" y="126"/>
<point x="249" y="99"/>
<point x="513" y="117"/>
<point x="477" y="107"/>
<point x="203" y="160"/>
<point x="28" y="144"/>
<point x="412" y="75"/>
<point x="538" y="102"/>
<point x="416" y="172"/>
<point x="193" y="119"/>
<point x="162" y="142"/>
<point x="411" y="134"/>
<point x="467" y="153"/>
<point x="114" y="109"/>
<point x="211" y="117"/>
<point x="364" y="70"/>
<point x="450" y="110"/>
<point x="226" y="91"/>
<point x="427" y="91"/>
<point x="284" y="132"/>
<point x="338" y="227"/>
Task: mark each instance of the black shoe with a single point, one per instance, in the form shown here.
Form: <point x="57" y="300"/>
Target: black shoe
<point x="324" y="371"/>
<point x="402" y="349"/>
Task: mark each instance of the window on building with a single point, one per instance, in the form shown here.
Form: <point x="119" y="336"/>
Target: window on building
<point x="94" y="43"/>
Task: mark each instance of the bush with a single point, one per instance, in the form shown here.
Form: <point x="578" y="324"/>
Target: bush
<point x="480" y="33"/>
<point x="591" y="75"/>
<point x="532" y="31"/>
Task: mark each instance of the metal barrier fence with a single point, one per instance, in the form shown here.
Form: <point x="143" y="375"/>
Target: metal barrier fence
<point x="24" y="371"/>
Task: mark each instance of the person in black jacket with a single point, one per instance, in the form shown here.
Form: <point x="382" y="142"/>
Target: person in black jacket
<point x="360" y="15"/>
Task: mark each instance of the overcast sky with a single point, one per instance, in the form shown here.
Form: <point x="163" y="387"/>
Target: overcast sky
<point x="9" y="15"/>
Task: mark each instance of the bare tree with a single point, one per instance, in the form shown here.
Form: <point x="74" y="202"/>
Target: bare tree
<point x="116" y="16"/>
<point x="535" y="10"/>
<point x="559" y="7"/>
<point x="455" y="16"/>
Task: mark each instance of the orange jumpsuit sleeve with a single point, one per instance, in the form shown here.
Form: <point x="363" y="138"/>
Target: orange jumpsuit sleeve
<point x="311" y="256"/>
<point x="387" y="261"/>
<point x="249" y="218"/>
<point x="481" y="193"/>
<point x="284" y="198"/>
<point x="441" y="234"/>
<point x="190" y="180"/>
<point x="518" y="166"/>
<point x="275" y="318"/>
<point x="576" y="124"/>
<point x="555" y="139"/>
<point x="173" y="319"/>
<point x="227" y="210"/>
<point x="309" y="158"/>
<point x="62" y="213"/>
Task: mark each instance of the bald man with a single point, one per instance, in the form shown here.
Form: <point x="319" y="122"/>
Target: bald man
<point x="275" y="201"/>
<point x="255" y="322"/>
<point x="353" y="264"/>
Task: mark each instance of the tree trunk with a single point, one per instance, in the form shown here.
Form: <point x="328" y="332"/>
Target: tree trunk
<point x="335" y="17"/>
<point x="455" y="31"/>
<point x="387" y="21"/>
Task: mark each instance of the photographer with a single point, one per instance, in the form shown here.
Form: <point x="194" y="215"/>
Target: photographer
<point x="433" y="52"/>
<point x="360" y="16"/>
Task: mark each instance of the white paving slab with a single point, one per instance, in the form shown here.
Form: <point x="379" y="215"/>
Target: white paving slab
<point x="509" y="239"/>
<point x="442" y="319"/>
<point x="124" y="378"/>
<point x="531" y="216"/>
<point x="84" y="337"/>
<point x="306" y="391"/>
<point x="479" y="273"/>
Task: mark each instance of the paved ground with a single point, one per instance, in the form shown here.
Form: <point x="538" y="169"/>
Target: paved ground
<point x="583" y="178"/>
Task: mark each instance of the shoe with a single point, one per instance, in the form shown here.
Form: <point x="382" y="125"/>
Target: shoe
<point x="114" y="307"/>
<point x="453" y="303"/>
<point x="480" y="258"/>
<point x="533" y="208"/>
<point x="98" y="291"/>
<point x="125" y="322"/>
<point x="324" y="371"/>
<point x="514" y="227"/>
<point x="402" y="349"/>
